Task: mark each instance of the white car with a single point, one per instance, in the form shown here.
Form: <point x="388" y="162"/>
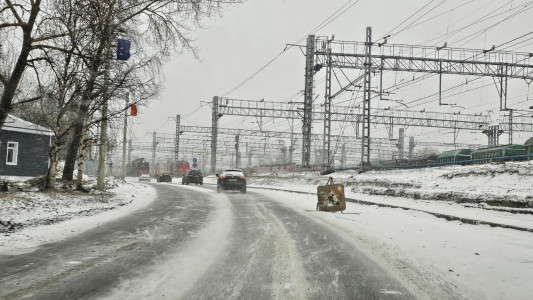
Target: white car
<point x="145" y="177"/>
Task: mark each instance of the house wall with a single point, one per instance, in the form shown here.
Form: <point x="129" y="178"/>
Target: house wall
<point x="33" y="151"/>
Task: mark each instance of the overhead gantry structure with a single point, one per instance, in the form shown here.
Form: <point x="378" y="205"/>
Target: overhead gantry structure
<point x="389" y="118"/>
<point x="377" y="58"/>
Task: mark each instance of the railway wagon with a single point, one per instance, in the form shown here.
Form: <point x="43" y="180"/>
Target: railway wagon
<point x="423" y="160"/>
<point x="528" y="145"/>
<point x="500" y="152"/>
<point x="454" y="156"/>
<point x="137" y="167"/>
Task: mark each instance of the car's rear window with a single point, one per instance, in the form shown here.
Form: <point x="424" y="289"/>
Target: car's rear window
<point x="195" y="172"/>
<point x="233" y="173"/>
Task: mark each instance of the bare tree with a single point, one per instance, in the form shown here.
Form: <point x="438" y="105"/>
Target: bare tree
<point x="68" y="44"/>
<point x="20" y="18"/>
<point x="161" y="24"/>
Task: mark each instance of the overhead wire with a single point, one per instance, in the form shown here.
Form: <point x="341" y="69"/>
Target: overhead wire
<point x="430" y="75"/>
<point x="518" y="43"/>
<point x="324" y="23"/>
<point x="426" y="13"/>
<point x="461" y="85"/>
<point x="484" y="17"/>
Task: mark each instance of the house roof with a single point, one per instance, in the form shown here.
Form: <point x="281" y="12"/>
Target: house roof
<point x="13" y="123"/>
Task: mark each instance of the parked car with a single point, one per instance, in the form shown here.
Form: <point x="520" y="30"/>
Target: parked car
<point x="193" y="176"/>
<point x="145" y="177"/>
<point x="164" y="177"/>
<point x="231" y="179"/>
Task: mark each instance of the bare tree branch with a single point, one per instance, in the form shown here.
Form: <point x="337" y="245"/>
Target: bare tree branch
<point x="14" y="11"/>
<point x="28" y="100"/>
<point x="5" y="25"/>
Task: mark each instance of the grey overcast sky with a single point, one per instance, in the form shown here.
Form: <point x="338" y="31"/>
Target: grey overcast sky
<point x="247" y="36"/>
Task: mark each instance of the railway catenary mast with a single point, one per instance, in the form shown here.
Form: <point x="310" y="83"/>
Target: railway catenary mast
<point x="214" y="130"/>
<point x="308" y="101"/>
<point x="193" y="139"/>
<point x="410" y="58"/>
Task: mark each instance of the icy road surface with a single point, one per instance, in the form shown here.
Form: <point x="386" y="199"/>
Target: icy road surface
<point x="194" y="243"/>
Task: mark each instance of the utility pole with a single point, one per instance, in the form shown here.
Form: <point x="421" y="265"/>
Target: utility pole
<point x="343" y="156"/>
<point x="411" y="147"/>
<point x="203" y="157"/>
<point x="236" y="151"/>
<point x="326" y="162"/>
<point x="284" y="156"/>
<point x="365" y="141"/>
<point x="510" y="126"/>
<point x="308" y="101"/>
<point x="124" y="138"/>
<point x="154" y="145"/>
<point x="214" y="129"/>
<point x="401" y="142"/>
<point x="250" y="157"/>
<point x="177" y="145"/>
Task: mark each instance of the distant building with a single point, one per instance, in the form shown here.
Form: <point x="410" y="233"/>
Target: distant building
<point x="24" y="148"/>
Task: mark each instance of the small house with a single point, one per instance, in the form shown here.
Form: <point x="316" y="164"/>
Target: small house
<point x="24" y="148"/>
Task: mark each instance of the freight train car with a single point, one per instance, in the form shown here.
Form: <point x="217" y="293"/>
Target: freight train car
<point x="454" y="156"/>
<point x="528" y="146"/>
<point x="506" y="152"/>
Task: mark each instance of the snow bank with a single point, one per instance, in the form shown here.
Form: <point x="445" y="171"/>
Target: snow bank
<point x="504" y="184"/>
<point x="65" y="213"/>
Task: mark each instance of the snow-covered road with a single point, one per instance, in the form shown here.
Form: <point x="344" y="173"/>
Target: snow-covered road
<point x="430" y="257"/>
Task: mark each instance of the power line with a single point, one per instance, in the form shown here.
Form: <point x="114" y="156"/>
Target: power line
<point x="324" y="23"/>
<point x="392" y="34"/>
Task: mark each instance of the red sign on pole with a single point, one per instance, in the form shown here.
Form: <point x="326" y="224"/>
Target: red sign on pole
<point x="133" y="110"/>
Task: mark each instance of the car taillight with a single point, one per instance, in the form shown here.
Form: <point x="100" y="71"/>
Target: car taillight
<point x="190" y="175"/>
<point x="222" y="177"/>
<point x="201" y="175"/>
<point x="243" y="178"/>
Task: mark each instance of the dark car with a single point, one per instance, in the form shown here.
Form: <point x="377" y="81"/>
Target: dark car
<point x="164" y="177"/>
<point x="192" y="176"/>
<point x="232" y="179"/>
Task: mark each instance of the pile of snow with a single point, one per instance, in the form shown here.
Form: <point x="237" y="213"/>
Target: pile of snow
<point x="65" y="212"/>
<point x="503" y="184"/>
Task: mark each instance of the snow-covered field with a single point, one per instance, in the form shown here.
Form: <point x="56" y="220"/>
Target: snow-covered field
<point x="477" y="261"/>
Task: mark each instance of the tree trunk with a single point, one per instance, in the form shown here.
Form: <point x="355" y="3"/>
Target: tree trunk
<point x="72" y="153"/>
<point x="72" y="150"/>
<point x="81" y="157"/>
<point x="50" y="180"/>
<point x="100" y="180"/>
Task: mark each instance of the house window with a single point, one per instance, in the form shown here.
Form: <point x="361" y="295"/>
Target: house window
<point x="12" y="153"/>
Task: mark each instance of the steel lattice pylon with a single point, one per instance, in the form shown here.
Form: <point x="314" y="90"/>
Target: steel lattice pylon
<point x="365" y="146"/>
<point x="438" y="60"/>
<point x="214" y="131"/>
<point x="308" y="101"/>
<point x="177" y="145"/>
<point x="326" y="162"/>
